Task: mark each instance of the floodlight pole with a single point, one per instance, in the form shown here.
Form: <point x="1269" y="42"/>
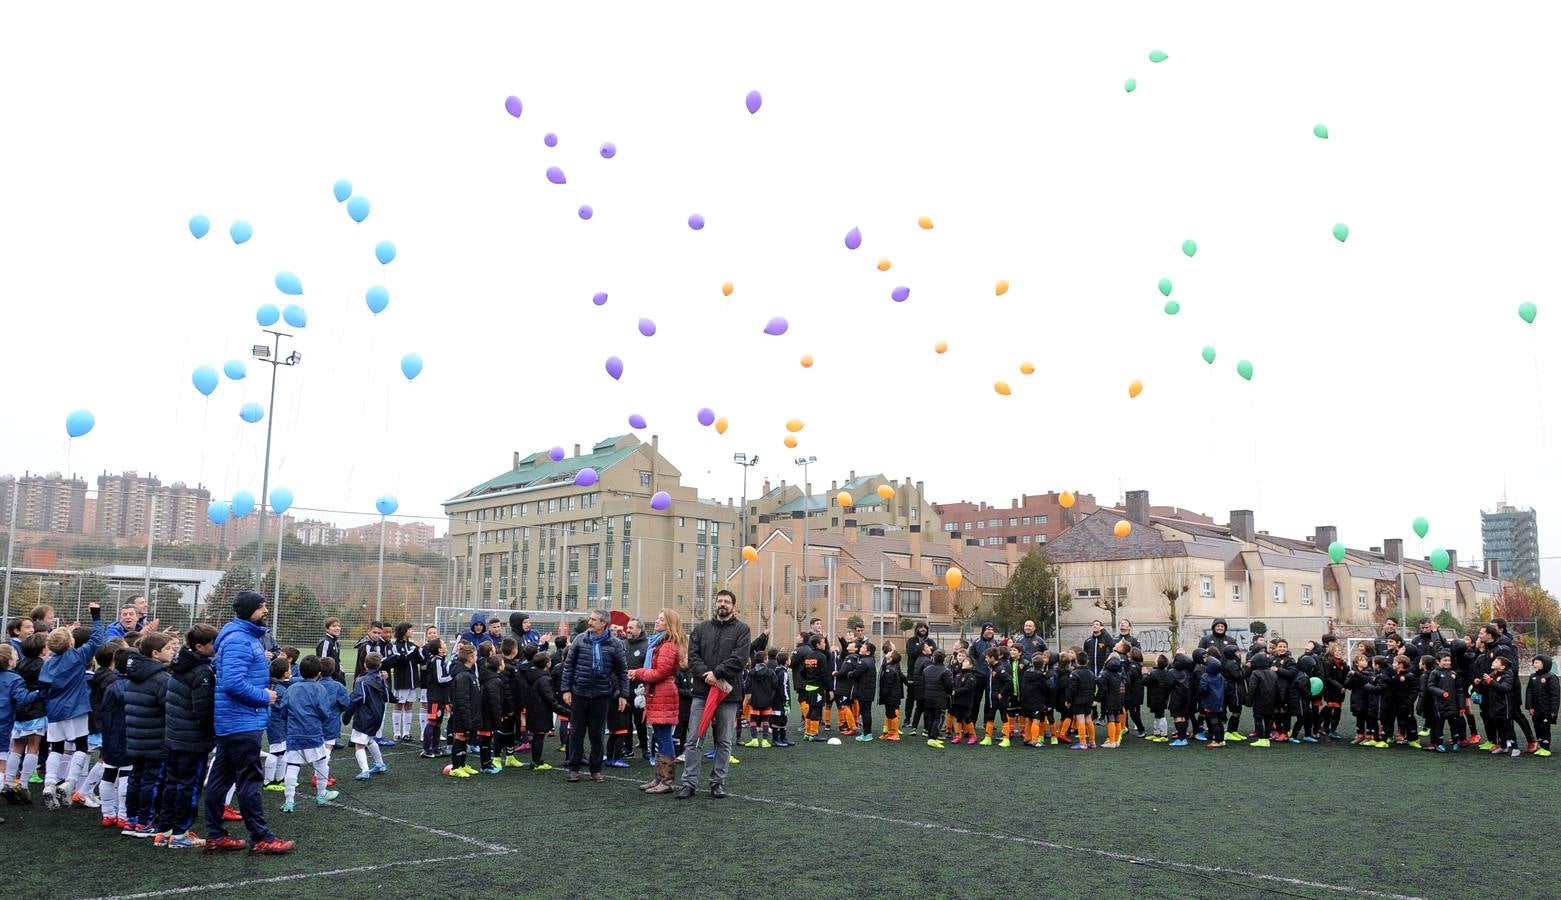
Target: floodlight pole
<point x="273" y="359"/>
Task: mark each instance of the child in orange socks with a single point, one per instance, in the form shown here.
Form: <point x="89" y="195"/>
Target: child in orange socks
<point x="967" y="693"/>
<point x="1081" y="702"/>
<point x="1113" y="695"/>
<point x="891" y="690"/>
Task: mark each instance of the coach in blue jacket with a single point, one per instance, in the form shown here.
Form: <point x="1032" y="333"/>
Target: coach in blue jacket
<point x="242" y="709"/>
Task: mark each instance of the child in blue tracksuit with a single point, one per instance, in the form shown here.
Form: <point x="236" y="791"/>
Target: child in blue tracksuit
<point x="312" y="710"/>
<point x="14" y="695"/>
<point x="68" y="705"/>
<point x="1211" y="698"/>
<point x="366" y="710"/>
<point x="276" y="726"/>
<point x="114" y="784"/>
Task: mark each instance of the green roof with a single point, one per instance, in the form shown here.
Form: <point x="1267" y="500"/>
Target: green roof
<point x="539" y="470"/>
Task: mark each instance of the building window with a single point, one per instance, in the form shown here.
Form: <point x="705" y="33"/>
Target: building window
<point x="1306" y="595"/>
<point x="994" y="523"/>
<point x="1040" y="539"/>
<point x="1205" y="586"/>
<point x="524" y="509"/>
<point x="1235" y="593"/>
<point x="1042" y="520"/>
<point x="1027" y="539"/>
<point x="1013" y="520"/>
<point x="1429" y="605"/>
<point x="1447" y="605"/>
<point x="981" y="526"/>
<point x="939" y="569"/>
<point x="786" y="580"/>
<point x="1025" y="520"/>
<point x="1382" y="599"/>
<point x="910" y="601"/>
<point x="644" y="479"/>
<point x="950" y="526"/>
<point x="994" y="541"/>
<point x="883" y="599"/>
<point x="967" y="524"/>
<point x="679" y="575"/>
<point x="1117" y="594"/>
<point x="1279" y="592"/>
<point x="1089" y="594"/>
<point x="1328" y="597"/>
<point x="1360" y="600"/>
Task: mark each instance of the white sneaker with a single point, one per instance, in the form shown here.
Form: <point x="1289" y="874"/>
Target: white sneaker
<point x="51" y="797"/>
<point x="90" y="801"/>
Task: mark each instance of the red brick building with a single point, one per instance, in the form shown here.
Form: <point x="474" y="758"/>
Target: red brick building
<point x="1031" y="519"/>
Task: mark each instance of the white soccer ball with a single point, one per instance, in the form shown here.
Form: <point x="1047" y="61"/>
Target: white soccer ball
<point x="834" y="742"/>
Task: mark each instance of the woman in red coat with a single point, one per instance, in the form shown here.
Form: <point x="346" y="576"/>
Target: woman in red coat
<point x="669" y="653"/>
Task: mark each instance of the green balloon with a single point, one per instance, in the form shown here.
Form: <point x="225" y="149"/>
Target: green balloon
<point x="1421" y="526"/>
<point x="1165" y="287"/>
<point x="1439" y="559"/>
<point x="1208" y="354"/>
<point x="1157" y="56"/>
<point x="1320" y="130"/>
<point x="1190" y="248"/>
<point x="1244" y="369"/>
<point x="1341" y="231"/>
<point x="1527" y="311"/>
<point x="1316" y="686"/>
<point x="1172" y="307"/>
<point x="1336" y="552"/>
<point x="1131" y="86"/>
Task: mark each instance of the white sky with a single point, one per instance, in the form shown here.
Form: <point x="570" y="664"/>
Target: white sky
<point x="1394" y="378"/>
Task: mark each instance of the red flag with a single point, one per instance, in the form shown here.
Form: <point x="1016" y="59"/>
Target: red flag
<point x="718" y="692"/>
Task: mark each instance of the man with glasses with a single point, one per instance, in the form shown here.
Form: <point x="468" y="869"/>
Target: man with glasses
<point x="595" y="675"/>
<point x="717" y="650"/>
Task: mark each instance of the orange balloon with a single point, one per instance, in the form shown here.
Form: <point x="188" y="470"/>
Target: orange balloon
<point x="845" y="499"/>
<point x="1123" y="529"/>
<point x="941" y="347"/>
<point x="883" y="265"/>
<point x="727" y="289"/>
<point x="953" y="577"/>
<point x="750" y="554"/>
<point x="791" y="442"/>
<point x="925" y="223"/>
<point x="1026" y="368"/>
<point x="886" y="491"/>
<point x="720" y="425"/>
<point x="1002" y="388"/>
<point x="1136" y="388"/>
<point x="1002" y="287"/>
<point x="794" y="425"/>
<point x="807" y="360"/>
<point x="1066" y="500"/>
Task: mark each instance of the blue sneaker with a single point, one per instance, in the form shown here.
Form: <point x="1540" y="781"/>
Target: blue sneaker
<point x="492" y="770"/>
<point x="1441" y="748"/>
<point x="384" y="742"/>
<point x="616" y="764"/>
<point x="1293" y="741"/>
<point x="362" y="776"/>
<point x="1202" y="736"/>
<point x="325" y="798"/>
<point x="1309" y="739"/>
<point x="287" y="807"/>
<point x="378" y="768"/>
<point x="709" y="754"/>
<point x="1179" y="742"/>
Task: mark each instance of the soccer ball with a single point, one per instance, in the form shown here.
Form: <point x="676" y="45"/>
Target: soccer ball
<point x="447" y="769"/>
<point x="834" y="742"/>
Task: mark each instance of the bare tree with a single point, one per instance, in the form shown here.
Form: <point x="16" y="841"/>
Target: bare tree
<point x="1175" y="578"/>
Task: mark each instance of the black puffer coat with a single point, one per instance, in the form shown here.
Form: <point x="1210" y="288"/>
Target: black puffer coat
<point x="190" y="701"/>
<point x="146" y="679"/>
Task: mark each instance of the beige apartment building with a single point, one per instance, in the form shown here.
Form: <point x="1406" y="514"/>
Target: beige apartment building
<point x="896" y="515"/>
<point x="530" y="538"/>
<point x="49" y="502"/>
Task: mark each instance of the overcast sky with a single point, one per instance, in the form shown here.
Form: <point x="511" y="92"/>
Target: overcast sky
<point x="1393" y="377"/>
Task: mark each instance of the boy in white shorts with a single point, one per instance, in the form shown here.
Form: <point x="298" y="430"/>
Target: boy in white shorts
<point x="30" y="720"/>
<point x="402" y="663"/>
<point x="68" y="705"/>
<point x="276" y="727"/>
<point x="367" y="711"/>
<point x="310" y="703"/>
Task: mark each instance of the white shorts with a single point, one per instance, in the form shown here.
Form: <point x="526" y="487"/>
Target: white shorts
<point x="29" y="728"/>
<point x="278" y="748"/>
<point x="406" y="695"/>
<point x="68" y="730"/>
<point x="359" y="737"/>
<point x="306" y="757"/>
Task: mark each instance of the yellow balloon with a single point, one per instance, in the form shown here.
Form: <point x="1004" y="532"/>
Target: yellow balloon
<point x="925" y="223"/>
<point x="807" y="360"/>
<point x="1066" y="500"/>
<point x="1136" y="388"/>
<point x="720" y="425"/>
<point x="1002" y="288"/>
<point x="941" y="346"/>
<point x="883" y="265"/>
<point x="1002" y="388"/>
<point x="727" y="289"/>
<point x="953" y="577"/>
<point x="791" y="442"/>
<point x="794" y="425"/>
<point x="1123" y="529"/>
<point x="1026" y="368"/>
<point x="845" y="499"/>
<point x="750" y="554"/>
<point x="885" y="491"/>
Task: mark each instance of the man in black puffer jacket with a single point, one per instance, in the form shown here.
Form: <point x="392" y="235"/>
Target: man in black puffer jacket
<point x="717" y="650"/>
<point x="595" y="677"/>
<point x="189" y="703"/>
<point x="146" y="674"/>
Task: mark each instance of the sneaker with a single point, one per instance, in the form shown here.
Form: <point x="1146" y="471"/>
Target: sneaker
<point x="162" y="838"/>
<point x="1139" y="733"/>
<point x="229" y="814"/>
<point x="224" y="843"/>
<point x="1003" y="743"/>
<point x="362" y="776"/>
<point x="1261" y="743"/>
<point x="491" y="769"/>
<point x="1487" y="745"/>
<point x="1179" y="742"/>
<point x="426" y="755"/>
<point x="327" y="797"/>
<point x="457" y="773"/>
<point x="378" y="769"/>
<point x="542" y="767"/>
<point x="186" y="841"/>
<point x="986" y="741"/>
<point x="89" y="801"/>
<point x="383" y="742"/>
<point x="275" y="786"/>
<point x="617" y="764"/>
<point x="110" y="822"/>
<point x="764" y="744"/>
<point x="863" y="738"/>
<point x="1214" y="745"/>
<point x="35" y="778"/>
<point x="970" y="741"/>
<point x="1201" y="736"/>
<point x="1542" y="752"/>
<point x="1236" y="736"/>
<point x="1054" y="742"/>
<point x="1425" y="732"/>
<point x="1083" y="747"/>
<point x="1441" y="748"/>
<point x="935" y="743"/>
<point x="1292" y="740"/>
<point x="1335" y="736"/>
<point x="751" y="742"/>
<point x="510" y="762"/>
<point x="51" y="797"/>
<point x="273" y="847"/>
<point x="1516" y="753"/>
<point x="141" y="831"/>
<point x="120" y="823"/>
<point x="469" y="769"/>
<point x="784" y="744"/>
<point x="1309" y="740"/>
<point x="1458" y="749"/>
<point x="287" y="807"/>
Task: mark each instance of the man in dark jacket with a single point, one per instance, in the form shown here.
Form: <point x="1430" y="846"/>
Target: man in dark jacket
<point x="1097" y="647"/>
<point x="1429" y="640"/>
<point x="716" y="652"/>
<point x="594" y="677"/>
<point x="189" y="700"/>
<point x="1219" y="637"/>
<point x="1030" y="641"/>
<point x="635" y="645"/>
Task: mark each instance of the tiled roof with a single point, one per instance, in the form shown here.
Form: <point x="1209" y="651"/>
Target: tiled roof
<point x="867" y="553"/>
<point x="1092" y="540"/>
<point x="539" y="470"/>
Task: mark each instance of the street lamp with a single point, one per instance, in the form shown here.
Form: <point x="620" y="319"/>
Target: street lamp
<point x="272" y="356"/>
<point x="807" y="504"/>
<point x="742" y="459"/>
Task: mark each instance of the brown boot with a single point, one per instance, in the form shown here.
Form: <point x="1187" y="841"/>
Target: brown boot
<point x="654" y="779"/>
<point x="663" y="783"/>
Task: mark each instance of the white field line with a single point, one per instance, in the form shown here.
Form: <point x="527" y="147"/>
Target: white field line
<point x="1114" y="855"/>
<point x="300" y="876"/>
<point x="437" y="832"/>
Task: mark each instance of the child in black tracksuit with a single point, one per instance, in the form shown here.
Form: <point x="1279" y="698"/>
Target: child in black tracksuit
<point x="494" y="688"/>
<point x="1355" y="683"/>
<point x="1081" y="702"/>
<point x="465" y="709"/>
<point x="1183" y="702"/>
<point x="1133" y="700"/>
<point x="919" y="723"/>
<point x="999" y="690"/>
<point x="1235" y="692"/>
<point x="1111" y="692"/>
<point x="541" y="705"/>
<point x="1405" y="687"/>
<point x="1443" y="702"/>
<point x="1262" y="694"/>
<point x="967" y="694"/>
<point x="936" y="684"/>
<point x="1543" y="702"/>
<point x="863" y="675"/>
<point x="1157" y="693"/>
<point x="437" y="682"/>
<point x="1500" y="690"/>
<point x="891" y="691"/>
<point x="759" y="696"/>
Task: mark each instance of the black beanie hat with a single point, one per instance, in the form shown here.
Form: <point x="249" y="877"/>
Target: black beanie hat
<point x="246" y="603"/>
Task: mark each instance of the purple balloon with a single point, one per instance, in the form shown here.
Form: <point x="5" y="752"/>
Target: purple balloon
<point x="615" y="367"/>
<point x="550" y="139"/>
<point x="512" y="105"/>
<point x="600" y="298"/>
<point x="754" y="101"/>
<point x="853" y="239"/>
<point x="899" y="294"/>
<point x="647" y="327"/>
<point x="556" y="454"/>
<point x="585" y="477"/>
<point x="609" y="150"/>
<point x="696" y="221"/>
<point x="555" y="174"/>
<point x="777" y="325"/>
<point x="660" y="500"/>
<point x="706" y="417"/>
<point x="636" y="421"/>
<point x="586" y="211"/>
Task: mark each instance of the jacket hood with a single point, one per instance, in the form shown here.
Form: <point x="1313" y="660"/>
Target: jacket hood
<point x="1456" y="646"/>
<point x="1212" y="667"/>
<point x="140" y="667"/>
<point x="1544" y="664"/>
<point x="478" y="619"/>
<point x="515" y="620"/>
<point x="1182" y="661"/>
<point x="187" y="659"/>
<point x="1218" y="623"/>
<point x="1261" y="661"/>
<point x="1113" y="665"/>
<point x="1308" y="665"/>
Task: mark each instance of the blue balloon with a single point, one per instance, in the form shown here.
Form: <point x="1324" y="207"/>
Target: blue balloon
<point x="377" y="298"/>
<point x="342" y="189"/>
<point x="235" y="369"/>
<point x="358" y="208"/>
<point x="251" y="412"/>
<point x="205" y="380"/>
<point x="243" y="503"/>
<point x="79" y="422"/>
<point x="386" y="504"/>
<point x="288" y="283"/>
<point x="199" y="225"/>
<point x="218" y="511"/>
<point x="384" y="251"/>
<point x="411" y="365"/>
<point x="240" y="231"/>
<point x="281" y="500"/>
<point x="267" y="315"/>
<point x="294" y="315"/>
